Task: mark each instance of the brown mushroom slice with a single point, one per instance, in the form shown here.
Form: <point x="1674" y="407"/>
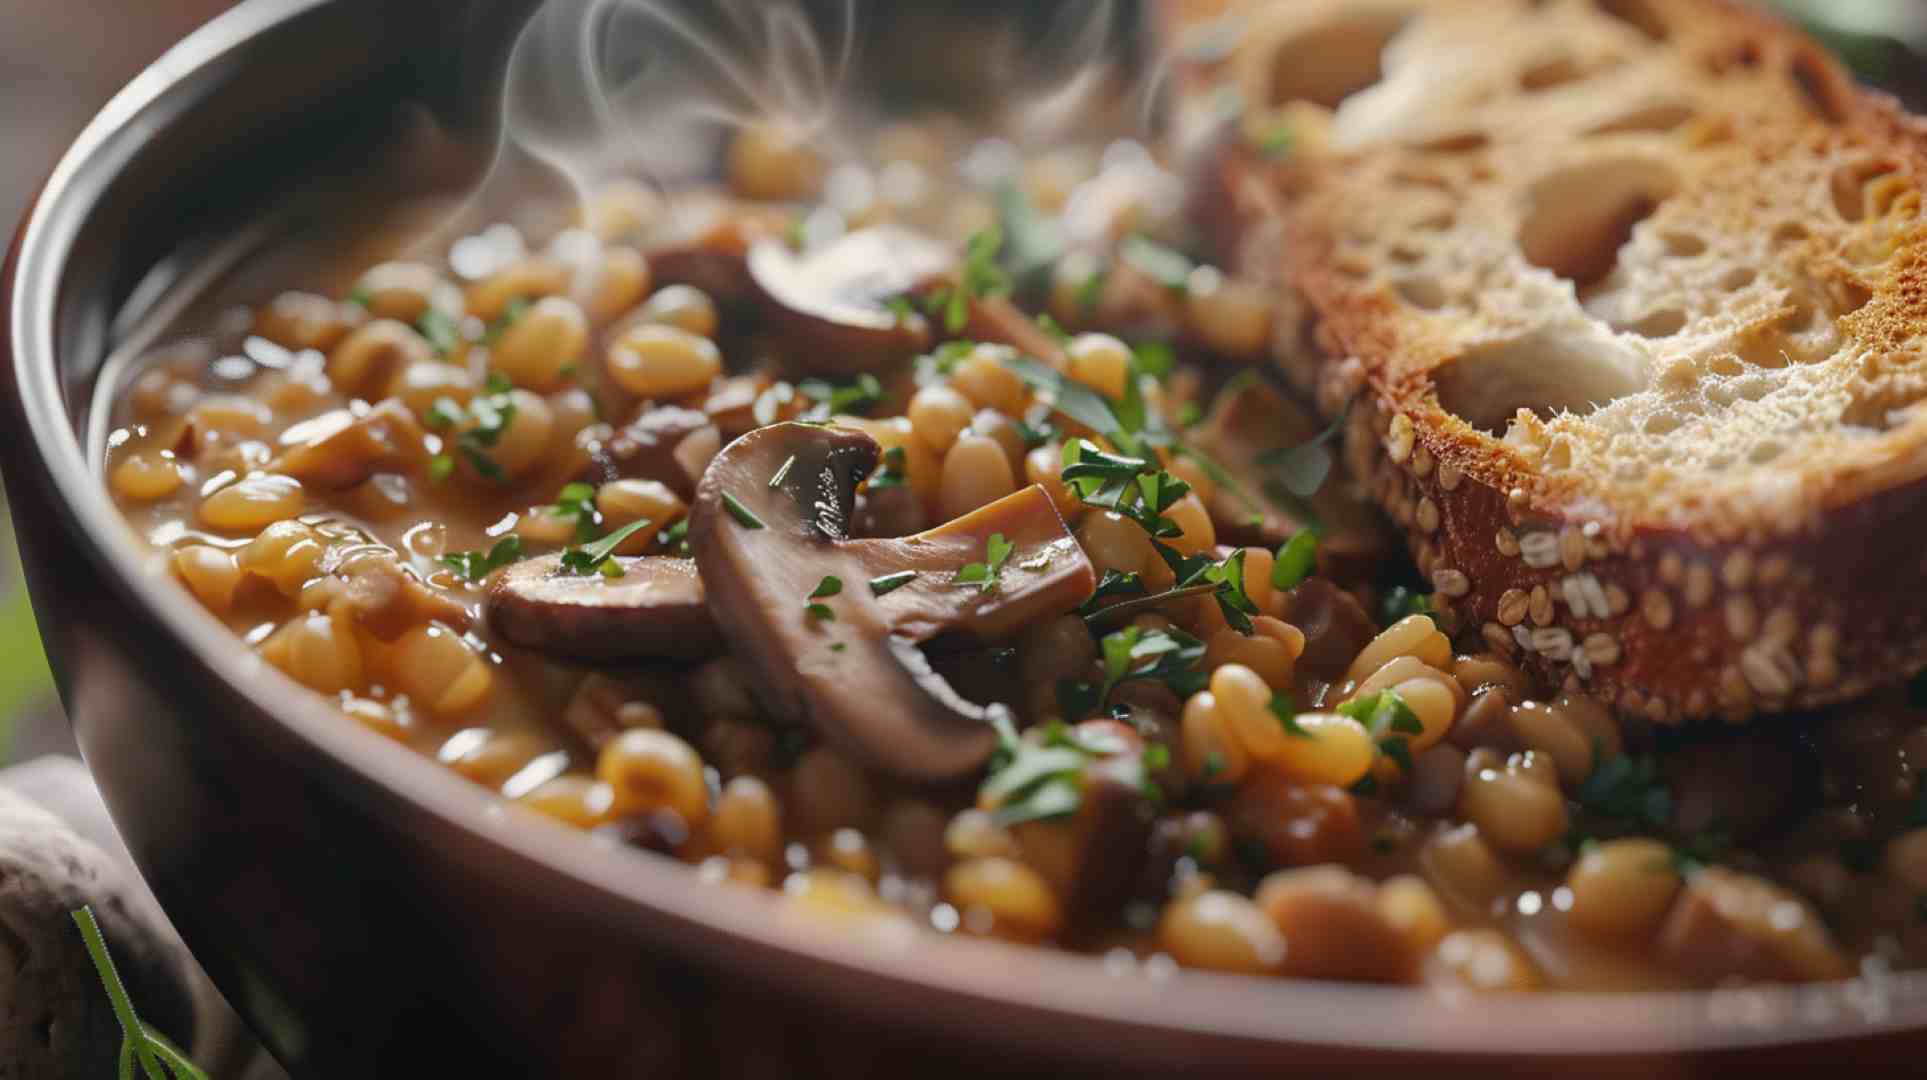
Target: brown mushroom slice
<point x="705" y="247"/>
<point x="654" y="611"/>
<point x="771" y="521"/>
<point x="340" y="449"/>
<point x="1250" y="417"/>
<point x="829" y="307"/>
<point x="664" y="443"/>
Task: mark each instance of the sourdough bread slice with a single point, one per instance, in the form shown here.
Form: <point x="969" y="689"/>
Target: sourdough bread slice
<point x="1633" y="297"/>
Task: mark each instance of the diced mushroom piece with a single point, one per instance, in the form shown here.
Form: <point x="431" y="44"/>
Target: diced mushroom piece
<point x="654" y="611"/>
<point x="664" y="443"/>
<point x="829" y="307"/>
<point x="771" y="522"/>
<point x="1335" y="625"/>
<point x="1249" y="418"/>
<point x="1093" y="857"/>
<point x="707" y="244"/>
<point x="1727" y="924"/>
<point x="340" y="449"/>
<point x="388" y="600"/>
<point x="1333" y="926"/>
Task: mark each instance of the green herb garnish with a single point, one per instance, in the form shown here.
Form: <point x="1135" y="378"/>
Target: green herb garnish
<point x="889" y="583"/>
<point x="476" y="566"/>
<point x="1301" y="470"/>
<point x="1157" y="262"/>
<point x="984" y="574"/>
<point x="157" y="1057"/>
<point x="1389" y="720"/>
<point x="440" y="329"/>
<point x="1154" y="358"/>
<point x="440" y="468"/>
<point x="852" y="399"/>
<point x="1628" y="789"/>
<point x="510" y="315"/>
<point x="743" y="515"/>
<point x="595" y="558"/>
<point x="1400" y="601"/>
<point x="831" y="585"/>
<point x="1295" y="560"/>
<point x="676" y="537"/>
<point x="1285" y="708"/>
<point x="576" y="502"/>
<point x="1277" y="142"/>
<point x="361" y="297"/>
<point x="894" y="470"/>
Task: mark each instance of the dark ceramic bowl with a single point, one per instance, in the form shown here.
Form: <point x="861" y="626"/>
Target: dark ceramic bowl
<point x="371" y="913"/>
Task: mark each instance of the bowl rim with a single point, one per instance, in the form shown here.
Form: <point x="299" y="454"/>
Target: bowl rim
<point x="750" y="929"/>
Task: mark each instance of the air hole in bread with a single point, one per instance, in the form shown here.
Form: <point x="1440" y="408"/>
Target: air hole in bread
<point x="1765" y="452"/>
<point x="1550" y="74"/>
<point x="1858" y="193"/>
<point x="1742" y="55"/>
<point x="1683" y="245"/>
<point x="1823" y="87"/>
<point x="1662" y="423"/>
<point x="1546" y="373"/>
<point x="1436" y="222"/>
<point x="1789" y="234"/>
<point x="1658" y="324"/>
<point x="1657" y="118"/>
<point x="1848" y="296"/>
<point x="1424" y="293"/>
<point x="1875" y="411"/>
<point x="1580" y="217"/>
<point x="1639" y="14"/>
<point x="1738" y="278"/>
<point x="1328" y="63"/>
<point x="1463" y="142"/>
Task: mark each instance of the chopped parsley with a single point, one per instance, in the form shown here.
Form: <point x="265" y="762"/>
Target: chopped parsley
<point x="1285" y="708"/>
<point x="1627" y="789"/>
<point x="1157" y="262"/>
<point x="1295" y="560"/>
<point x="361" y="297"/>
<point x="1090" y="291"/>
<point x="982" y="277"/>
<point x="1043" y="779"/>
<point x="831" y="585"/>
<point x="440" y="468"/>
<point x="1277" y="142"/>
<point x="1154" y="358"/>
<point x="1114" y="583"/>
<point x="489" y="415"/>
<point x="743" y="515"/>
<point x="1170" y="657"/>
<point x="1400" y="601"/>
<point x="510" y="315"/>
<point x="1302" y="469"/>
<point x="852" y="399"/>
<point x="889" y="583"/>
<point x="440" y="329"/>
<point x="676" y="537"/>
<point x="576" y="502"/>
<point x="984" y="574"/>
<point x="595" y="558"/>
<point x="1388" y="719"/>
<point x="476" y="566"/>
<point x="1034" y="240"/>
<point x="894" y="470"/>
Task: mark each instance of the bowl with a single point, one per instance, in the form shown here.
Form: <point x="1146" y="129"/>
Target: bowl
<point x="368" y="911"/>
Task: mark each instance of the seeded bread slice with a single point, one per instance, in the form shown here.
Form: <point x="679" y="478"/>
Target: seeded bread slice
<point x="1632" y="297"/>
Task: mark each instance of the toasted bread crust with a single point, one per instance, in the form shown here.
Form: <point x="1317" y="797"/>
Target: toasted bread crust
<point x="1723" y="565"/>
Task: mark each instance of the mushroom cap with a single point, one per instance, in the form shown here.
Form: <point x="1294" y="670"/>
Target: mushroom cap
<point x="830" y="305"/>
<point x="859" y="679"/>
<point x="654" y="611"/>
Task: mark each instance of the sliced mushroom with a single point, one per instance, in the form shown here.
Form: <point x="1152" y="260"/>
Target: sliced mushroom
<point x="1093" y="857"/>
<point x="1247" y="419"/>
<point x="340" y="449"/>
<point x="664" y="443"/>
<point x="654" y="611"/>
<point x="1336" y="629"/>
<point x="771" y="521"/>
<point x="829" y="307"/>
<point x="706" y="245"/>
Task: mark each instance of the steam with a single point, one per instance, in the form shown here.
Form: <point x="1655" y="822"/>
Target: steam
<point x="650" y="90"/>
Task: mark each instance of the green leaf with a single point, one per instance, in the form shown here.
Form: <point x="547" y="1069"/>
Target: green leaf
<point x="1157" y="262"/>
<point x="1627" y="788"/>
<point x="1296" y="560"/>
<point x="1114" y="583"/>
<point x="831" y="585"/>
<point x="889" y="583"/>
<point x="1303" y="469"/>
<point x="1400" y="601"/>
<point x="1090" y="291"/>
<point x="440" y="468"/>
<point x="894" y="470"/>
<point x="361" y="297"/>
<point x="1278" y="141"/>
<point x="744" y="515"/>
<point x="1285" y="709"/>
<point x="140" y="1044"/>
<point x="1034" y="240"/>
<point x="594" y="558"/>
<point x="576" y="502"/>
<point x="440" y="330"/>
<point x="819" y="611"/>
<point x="1154" y="358"/>
<point x="476" y="566"/>
<point x="1079" y="402"/>
<point x="984" y="575"/>
<point x="510" y="315"/>
<point x="851" y="399"/>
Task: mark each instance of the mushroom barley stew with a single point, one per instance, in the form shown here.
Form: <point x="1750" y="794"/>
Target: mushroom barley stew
<point x="938" y="551"/>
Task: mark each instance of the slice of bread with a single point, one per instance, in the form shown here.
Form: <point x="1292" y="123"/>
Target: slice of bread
<point x="1632" y="299"/>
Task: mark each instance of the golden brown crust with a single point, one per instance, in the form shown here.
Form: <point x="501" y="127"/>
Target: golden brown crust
<point x="1717" y="516"/>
